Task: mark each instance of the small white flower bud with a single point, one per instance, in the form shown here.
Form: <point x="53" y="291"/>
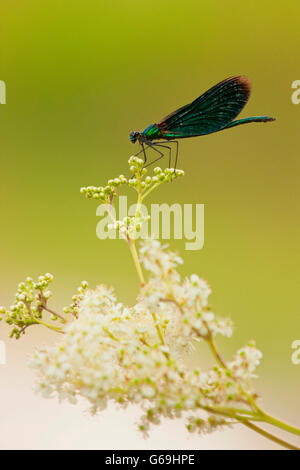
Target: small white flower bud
<point x="148" y="391"/>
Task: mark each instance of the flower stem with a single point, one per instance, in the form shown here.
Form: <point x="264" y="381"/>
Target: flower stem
<point x="158" y="329"/>
<point x="260" y="414"/>
<point x="269" y="436"/>
<point x="280" y="424"/>
<point x="51" y="327"/>
<point x="54" y="313"/>
<point x="215" y="352"/>
<point x="247" y="421"/>
<point x="135" y="257"/>
<point x="150" y="190"/>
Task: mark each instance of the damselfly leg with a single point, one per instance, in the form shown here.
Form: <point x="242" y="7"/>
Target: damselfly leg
<point x="159" y="144"/>
<point x="154" y="146"/>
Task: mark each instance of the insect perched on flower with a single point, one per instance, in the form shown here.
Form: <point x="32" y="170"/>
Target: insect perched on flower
<point x="213" y="111"/>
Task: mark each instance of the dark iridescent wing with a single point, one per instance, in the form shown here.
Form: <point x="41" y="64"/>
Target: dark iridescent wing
<point x="211" y="112"/>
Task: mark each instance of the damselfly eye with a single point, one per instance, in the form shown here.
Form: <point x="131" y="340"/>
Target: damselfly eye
<point x="133" y="136"/>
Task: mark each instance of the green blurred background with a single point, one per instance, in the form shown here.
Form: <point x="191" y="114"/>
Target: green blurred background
<point x="80" y="76"/>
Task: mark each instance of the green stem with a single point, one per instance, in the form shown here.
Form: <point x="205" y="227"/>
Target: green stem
<point x="135" y="257"/>
<point x="51" y="327"/>
<point x="215" y="352"/>
<point x="54" y="313"/>
<point x="227" y="413"/>
<point x="150" y="190"/>
<point x="246" y="420"/>
<point x="269" y="436"/>
<point x="160" y="335"/>
<point x="260" y="414"/>
<point x="139" y="203"/>
<point x="241" y="412"/>
<point x="106" y="330"/>
<point x="279" y="424"/>
<point x="222" y="363"/>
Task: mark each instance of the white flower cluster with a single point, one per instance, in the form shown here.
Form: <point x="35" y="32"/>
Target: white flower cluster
<point x="181" y="307"/>
<point x="139" y="181"/>
<point x="104" y="193"/>
<point x="130" y="355"/>
<point x="245" y="361"/>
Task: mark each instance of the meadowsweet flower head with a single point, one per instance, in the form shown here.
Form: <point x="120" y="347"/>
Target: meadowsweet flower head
<point x="111" y="352"/>
<point x="158" y="261"/>
<point x="140" y="181"/>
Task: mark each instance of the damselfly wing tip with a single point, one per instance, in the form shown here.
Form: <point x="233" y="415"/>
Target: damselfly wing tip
<point x="244" y="82"/>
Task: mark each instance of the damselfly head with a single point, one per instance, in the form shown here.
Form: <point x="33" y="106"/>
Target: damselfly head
<point x="133" y="136"/>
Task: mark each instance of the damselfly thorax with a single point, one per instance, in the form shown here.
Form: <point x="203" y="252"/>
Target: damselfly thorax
<point x="147" y="141"/>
